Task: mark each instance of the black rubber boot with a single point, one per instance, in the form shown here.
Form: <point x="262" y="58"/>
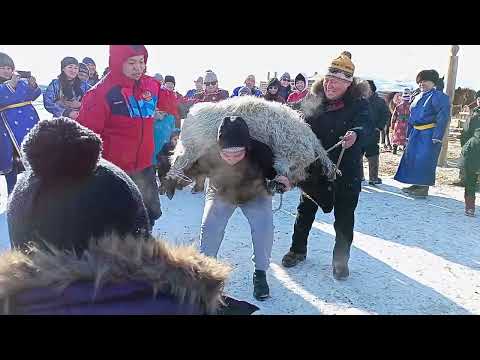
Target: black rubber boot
<point x="261" y="290"/>
<point x="291" y="259"/>
<point x="394" y="152"/>
<point x="470" y="205"/>
<point x="340" y="269"/>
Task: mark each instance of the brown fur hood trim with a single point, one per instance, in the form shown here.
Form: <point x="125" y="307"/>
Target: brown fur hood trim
<point x="311" y="104"/>
<point x="177" y="270"/>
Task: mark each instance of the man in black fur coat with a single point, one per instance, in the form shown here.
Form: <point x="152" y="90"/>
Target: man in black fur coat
<point x="335" y="111"/>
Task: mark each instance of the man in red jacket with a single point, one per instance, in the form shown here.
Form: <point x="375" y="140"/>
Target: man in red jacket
<point x="121" y="108"/>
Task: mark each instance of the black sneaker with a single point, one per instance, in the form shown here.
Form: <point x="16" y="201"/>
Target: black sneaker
<point x="261" y="290"/>
<point x="291" y="259"/>
<point x="340" y="270"/>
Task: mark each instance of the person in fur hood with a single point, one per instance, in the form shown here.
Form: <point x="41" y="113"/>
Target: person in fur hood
<point x="80" y="234"/>
<point x="336" y="112"/>
<point x="116" y="276"/>
<point x="272" y="93"/>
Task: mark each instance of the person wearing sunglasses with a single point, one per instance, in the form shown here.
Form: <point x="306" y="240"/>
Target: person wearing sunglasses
<point x="336" y="112"/>
<point x="301" y="90"/>
<point x="272" y="91"/>
<point x="212" y="92"/>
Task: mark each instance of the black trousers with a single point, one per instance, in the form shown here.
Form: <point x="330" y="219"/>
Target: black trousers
<point x="471" y="177"/>
<point x="371" y="149"/>
<point x="147" y="184"/>
<point x="385" y="134"/>
<point x="344" y="211"/>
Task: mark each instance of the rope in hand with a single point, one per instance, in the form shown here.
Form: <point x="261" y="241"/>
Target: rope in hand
<point x="337" y="166"/>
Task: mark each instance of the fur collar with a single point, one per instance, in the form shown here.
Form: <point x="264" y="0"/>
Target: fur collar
<point x="177" y="270"/>
<point x="313" y="103"/>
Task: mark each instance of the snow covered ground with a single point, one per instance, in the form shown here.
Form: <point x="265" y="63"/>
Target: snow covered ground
<point x="409" y="256"/>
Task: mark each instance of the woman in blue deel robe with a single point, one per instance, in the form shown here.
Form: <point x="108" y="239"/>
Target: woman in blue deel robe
<point x="429" y="114"/>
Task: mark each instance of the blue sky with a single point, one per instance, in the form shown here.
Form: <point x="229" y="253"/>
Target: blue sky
<point x="233" y="63"/>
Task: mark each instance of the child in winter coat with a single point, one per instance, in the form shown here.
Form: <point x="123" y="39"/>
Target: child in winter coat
<point x="400" y="121"/>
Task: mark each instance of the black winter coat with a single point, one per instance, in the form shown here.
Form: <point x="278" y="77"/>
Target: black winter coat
<point x="284" y="92"/>
<point x="379" y="117"/>
<point x="472" y="126"/>
<point x="330" y="121"/>
<point x="471" y="152"/>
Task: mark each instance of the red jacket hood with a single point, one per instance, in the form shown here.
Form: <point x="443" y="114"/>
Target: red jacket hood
<point x="118" y="55"/>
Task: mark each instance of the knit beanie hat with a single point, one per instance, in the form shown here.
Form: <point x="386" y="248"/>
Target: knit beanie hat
<point x="73" y="194"/>
<point x="233" y="133"/>
<point x="87" y="60"/>
<point x="68" y="61"/>
<point x="83" y="68"/>
<point x="428" y="75"/>
<point x="6" y="60"/>
<point x="170" y="78"/>
<point x="158" y="77"/>
<point x="342" y="68"/>
<point x="285" y="76"/>
<point x="274" y="82"/>
<point x="199" y="80"/>
<point x="210" y="76"/>
<point x="250" y="77"/>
